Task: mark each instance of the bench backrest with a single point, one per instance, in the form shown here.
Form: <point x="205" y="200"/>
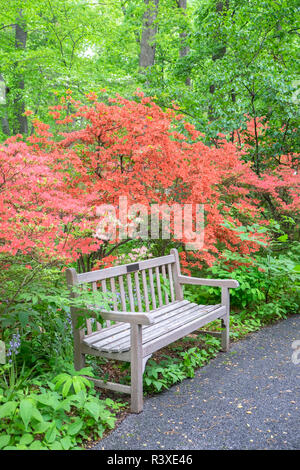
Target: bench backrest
<point x="136" y="287"/>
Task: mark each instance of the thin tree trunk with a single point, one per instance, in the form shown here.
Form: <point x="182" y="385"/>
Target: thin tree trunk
<point x="148" y="46"/>
<point x="184" y="47"/>
<point x="4" y="119"/>
<point x="20" y="124"/>
<point x="218" y="55"/>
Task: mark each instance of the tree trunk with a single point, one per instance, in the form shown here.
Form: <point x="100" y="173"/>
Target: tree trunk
<point x="20" y="124"/>
<point x="218" y="55"/>
<point x="147" y="50"/>
<point x="4" y="119"/>
<point x="184" y="47"/>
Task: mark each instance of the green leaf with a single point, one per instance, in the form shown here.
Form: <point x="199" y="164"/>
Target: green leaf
<point x="42" y="427"/>
<point x="56" y="446"/>
<point x="37" y="415"/>
<point x="26" y="411"/>
<point x="37" y="445"/>
<point x="8" y="409"/>
<point x="94" y="409"/>
<point x="51" y="434"/>
<point x="283" y="238"/>
<point x="66" y="443"/>
<point x="26" y="439"/>
<point x="4" y="440"/>
<point x="78" y="384"/>
<point x="67" y="386"/>
<point x="75" y="427"/>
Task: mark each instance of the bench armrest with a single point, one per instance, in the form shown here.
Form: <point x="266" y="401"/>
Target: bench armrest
<point x="138" y="318"/>
<point x="198" y="281"/>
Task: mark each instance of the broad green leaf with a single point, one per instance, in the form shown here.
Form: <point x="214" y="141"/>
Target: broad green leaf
<point x="4" y="440"/>
<point x="26" y="439"/>
<point x="51" y="434"/>
<point x="26" y="411"/>
<point x="56" y="445"/>
<point x="49" y="400"/>
<point x="66" y="443"/>
<point x="8" y="409"/>
<point x="42" y="427"/>
<point x="78" y="384"/>
<point x="37" y="445"/>
<point x="75" y="427"/>
<point x="94" y="409"/>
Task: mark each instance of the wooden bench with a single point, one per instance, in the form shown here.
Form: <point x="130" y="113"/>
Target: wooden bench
<point x="146" y="318"/>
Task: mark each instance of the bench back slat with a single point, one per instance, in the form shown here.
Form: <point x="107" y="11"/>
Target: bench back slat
<point x="171" y="282"/>
<point x="113" y="291"/>
<point x="145" y="290"/>
<point x="152" y="289"/>
<point x="138" y="290"/>
<point x="130" y="292"/>
<point x="164" y="275"/>
<point x="122" y="292"/>
<point x="159" y="294"/>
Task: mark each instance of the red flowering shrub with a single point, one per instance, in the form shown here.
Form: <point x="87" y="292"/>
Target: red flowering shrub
<point x="49" y="189"/>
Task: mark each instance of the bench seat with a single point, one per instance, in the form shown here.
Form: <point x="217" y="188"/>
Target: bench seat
<point x="175" y="320"/>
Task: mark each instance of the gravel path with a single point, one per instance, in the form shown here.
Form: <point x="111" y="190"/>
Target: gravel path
<point x="247" y="398"/>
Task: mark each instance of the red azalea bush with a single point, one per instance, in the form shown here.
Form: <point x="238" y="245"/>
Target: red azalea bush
<point x="49" y="189"/>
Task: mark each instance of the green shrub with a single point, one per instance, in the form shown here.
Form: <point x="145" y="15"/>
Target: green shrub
<point x="47" y="418"/>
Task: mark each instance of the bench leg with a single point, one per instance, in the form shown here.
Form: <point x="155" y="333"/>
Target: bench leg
<point x="136" y="369"/>
<point x="225" y="320"/>
<point x="225" y="334"/>
<point x="79" y="360"/>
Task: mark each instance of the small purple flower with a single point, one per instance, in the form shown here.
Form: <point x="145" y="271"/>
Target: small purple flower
<point x="14" y="345"/>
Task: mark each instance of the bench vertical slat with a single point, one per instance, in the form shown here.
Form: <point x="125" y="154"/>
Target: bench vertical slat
<point x="145" y="290"/>
<point x="138" y="291"/>
<point x="157" y="275"/>
<point x="122" y="292"/>
<point x="163" y="271"/>
<point x="171" y="283"/>
<point x="113" y="289"/>
<point x="104" y="289"/>
<point x="89" y="327"/>
<point x="176" y="272"/>
<point x="130" y="293"/>
<point x="152" y="290"/>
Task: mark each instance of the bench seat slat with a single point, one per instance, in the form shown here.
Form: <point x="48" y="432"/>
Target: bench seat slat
<point x="157" y="330"/>
<point x="120" y="327"/>
<point x="117" y="339"/>
<point x="182" y="330"/>
<point x="161" y="315"/>
<point x="114" y="329"/>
